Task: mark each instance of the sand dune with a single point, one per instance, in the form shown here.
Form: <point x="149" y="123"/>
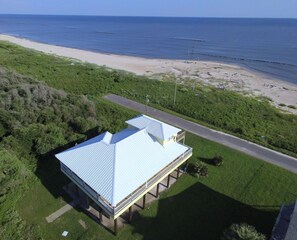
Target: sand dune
<point x="220" y="75"/>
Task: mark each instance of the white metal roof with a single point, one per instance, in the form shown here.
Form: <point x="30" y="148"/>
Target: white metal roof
<point x="157" y="128"/>
<point x="116" y="165"/>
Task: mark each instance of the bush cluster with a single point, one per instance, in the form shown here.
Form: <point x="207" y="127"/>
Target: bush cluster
<point x="242" y="231"/>
<point x="200" y="169"/>
<point x="217" y="161"/>
<point x="40" y="117"/>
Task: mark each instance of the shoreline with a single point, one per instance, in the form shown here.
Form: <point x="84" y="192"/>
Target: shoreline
<point x="220" y="75"/>
<point x="262" y="73"/>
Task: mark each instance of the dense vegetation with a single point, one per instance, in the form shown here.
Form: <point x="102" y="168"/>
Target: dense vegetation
<point x="35" y="120"/>
<point x="246" y="117"/>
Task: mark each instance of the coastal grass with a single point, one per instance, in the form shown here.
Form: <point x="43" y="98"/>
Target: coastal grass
<point x="244" y="189"/>
<point x="246" y="117"/>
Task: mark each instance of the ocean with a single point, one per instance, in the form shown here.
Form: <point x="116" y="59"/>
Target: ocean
<point x="268" y="46"/>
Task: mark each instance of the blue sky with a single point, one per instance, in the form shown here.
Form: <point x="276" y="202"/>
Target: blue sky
<point x="186" y="8"/>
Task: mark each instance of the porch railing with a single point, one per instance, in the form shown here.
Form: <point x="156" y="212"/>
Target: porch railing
<point x="129" y="199"/>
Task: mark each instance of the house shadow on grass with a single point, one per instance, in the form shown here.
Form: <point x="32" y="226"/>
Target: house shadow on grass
<point x="49" y="172"/>
<point x="50" y="175"/>
<point x="200" y="213"/>
<point x="48" y="167"/>
<point x="206" y="160"/>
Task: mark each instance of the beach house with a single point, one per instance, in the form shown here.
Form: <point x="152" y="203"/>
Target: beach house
<point x="117" y="170"/>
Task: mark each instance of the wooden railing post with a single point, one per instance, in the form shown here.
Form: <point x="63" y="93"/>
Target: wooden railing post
<point x="157" y="191"/>
<point x="168" y="181"/>
<point x="130" y="214"/>
<point x="143" y="201"/>
<point x="178" y="170"/>
<point x="100" y="215"/>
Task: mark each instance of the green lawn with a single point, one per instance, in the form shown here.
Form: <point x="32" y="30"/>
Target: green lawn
<point x="244" y="189"/>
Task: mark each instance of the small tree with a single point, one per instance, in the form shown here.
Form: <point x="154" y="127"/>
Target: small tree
<point x="200" y="169"/>
<point x="242" y="231"/>
<point x="217" y="161"/>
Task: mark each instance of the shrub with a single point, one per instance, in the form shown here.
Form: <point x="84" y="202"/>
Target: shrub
<point x="217" y="161"/>
<point x="9" y="174"/>
<point x="51" y="138"/>
<point x="2" y="130"/>
<point x="116" y="77"/>
<point x="292" y="106"/>
<point x="81" y="125"/>
<point x="200" y="170"/>
<point x="184" y="89"/>
<point x="242" y="231"/>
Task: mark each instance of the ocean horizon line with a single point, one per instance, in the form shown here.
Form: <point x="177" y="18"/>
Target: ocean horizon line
<point x="137" y="16"/>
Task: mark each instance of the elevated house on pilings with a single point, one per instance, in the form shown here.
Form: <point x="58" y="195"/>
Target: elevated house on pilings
<point x="117" y="170"/>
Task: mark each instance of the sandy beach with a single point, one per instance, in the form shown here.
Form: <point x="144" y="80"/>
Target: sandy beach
<point x="220" y="75"/>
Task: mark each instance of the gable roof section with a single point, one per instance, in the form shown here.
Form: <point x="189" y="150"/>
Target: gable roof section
<point x="156" y="128"/>
<point x="116" y="168"/>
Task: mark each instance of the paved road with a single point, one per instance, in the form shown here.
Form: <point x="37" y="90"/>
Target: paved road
<point x="247" y="147"/>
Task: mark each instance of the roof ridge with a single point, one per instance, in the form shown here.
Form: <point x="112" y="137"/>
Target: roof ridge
<point x="159" y="123"/>
<point x="133" y="134"/>
<point x="113" y="176"/>
<point x="162" y="129"/>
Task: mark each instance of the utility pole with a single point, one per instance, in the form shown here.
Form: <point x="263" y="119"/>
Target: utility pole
<point x="174" y="99"/>
<point x="146" y="103"/>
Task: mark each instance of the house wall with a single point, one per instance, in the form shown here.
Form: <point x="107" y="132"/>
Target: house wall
<point x="86" y="189"/>
<point x="164" y="142"/>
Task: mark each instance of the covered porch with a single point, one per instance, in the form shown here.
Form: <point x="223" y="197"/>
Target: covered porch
<point x="115" y="217"/>
<point x="92" y="209"/>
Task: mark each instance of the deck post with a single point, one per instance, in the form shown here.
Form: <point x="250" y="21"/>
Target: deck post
<point x="168" y="181"/>
<point x="87" y="202"/>
<point x="77" y="190"/>
<point x="143" y="201"/>
<point x="66" y="184"/>
<point x="130" y="214"/>
<point x="157" y="190"/>
<point x="178" y="170"/>
<point x="115" y="225"/>
<point x="187" y="164"/>
<point x="100" y="215"/>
